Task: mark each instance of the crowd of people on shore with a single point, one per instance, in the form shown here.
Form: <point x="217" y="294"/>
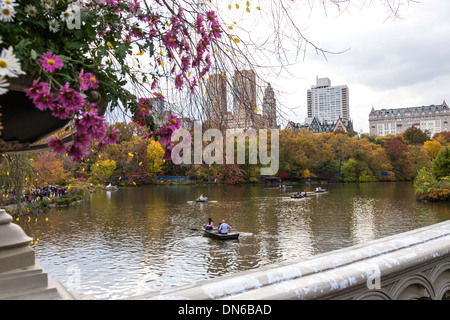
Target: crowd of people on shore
<point x="44" y="192"/>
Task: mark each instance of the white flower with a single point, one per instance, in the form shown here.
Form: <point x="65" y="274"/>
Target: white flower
<point x="7" y="12"/>
<point x="31" y="10"/>
<point x="3" y="85"/>
<point x="67" y="15"/>
<point x="9" y="2"/>
<point x="53" y="25"/>
<point x="9" y="65"/>
<point x="47" y="4"/>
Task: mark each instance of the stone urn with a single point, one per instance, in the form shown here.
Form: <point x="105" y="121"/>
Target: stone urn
<point x="22" y="124"/>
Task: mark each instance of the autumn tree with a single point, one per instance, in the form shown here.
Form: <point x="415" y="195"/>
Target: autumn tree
<point x="432" y="148"/>
<point x="49" y="169"/>
<point x="398" y="154"/>
<point x="414" y="135"/>
<point x="155" y="160"/>
<point x="292" y="159"/>
<point x="102" y="170"/>
<point x="16" y="175"/>
<point x="441" y="165"/>
<point x="443" y="138"/>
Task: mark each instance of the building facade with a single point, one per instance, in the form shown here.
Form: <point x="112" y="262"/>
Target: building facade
<point x="327" y="103"/>
<point x="433" y="118"/>
<point x="216" y="99"/>
<point x="314" y="125"/>
<point x="244" y="98"/>
<point x="245" y="112"/>
<point x="270" y="107"/>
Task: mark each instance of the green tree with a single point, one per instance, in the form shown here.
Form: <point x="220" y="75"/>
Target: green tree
<point x="349" y="171"/>
<point x="441" y="165"/>
<point x="414" y="135"/>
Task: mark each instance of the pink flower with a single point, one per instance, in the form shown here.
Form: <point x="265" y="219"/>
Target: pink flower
<point x="81" y="140"/>
<point x="44" y="101"/>
<point x="144" y="101"/>
<point x="60" y="112"/>
<point x="76" y="153"/>
<point x="50" y="62"/>
<point x="174" y="122"/>
<point x="144" y="107"/>
<point x="185" y="63"/>
<point x="215" y="25"/>
<point x="91" y="80"/>
<point x="140" y="120"/>
<point x="179" y="81"/>
<point x="112" y="136"/>
<point x="170" y="40"/>
<point x="159" y="95"/>
<point x="70" y="99"/>
<point x="168" y="153"/>
<point x="199" y="23"/>
<point x="82" y="81"/>
<point x="57" y="145"/>
<point x="91" y="124"/>
<point x="37" y="89"/>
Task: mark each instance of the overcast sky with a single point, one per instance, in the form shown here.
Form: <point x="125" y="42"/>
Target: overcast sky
<point x="389" y="63"/>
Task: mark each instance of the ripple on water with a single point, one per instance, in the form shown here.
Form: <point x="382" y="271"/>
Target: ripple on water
<point x="139" y="240"/>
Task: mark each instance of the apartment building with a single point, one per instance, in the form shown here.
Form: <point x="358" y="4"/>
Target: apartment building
<point x="433" y="118"/>
<point x="327" y="103"/>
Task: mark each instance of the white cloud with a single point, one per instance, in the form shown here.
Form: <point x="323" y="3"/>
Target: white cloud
<point x="389" y="64"/>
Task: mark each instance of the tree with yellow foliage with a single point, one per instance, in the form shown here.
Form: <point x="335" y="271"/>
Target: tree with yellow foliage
<point x="154" y="157"/>
<point x="102" y="170"/>
<point x="433" y="148"/>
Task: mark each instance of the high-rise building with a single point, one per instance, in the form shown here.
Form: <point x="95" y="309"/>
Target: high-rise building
<point x="270" y="107"/>
<point x="327" y="103"/>
<point x="244" y="98"/>
<point x="216" y="99"/>
<point x="434" y="119"/>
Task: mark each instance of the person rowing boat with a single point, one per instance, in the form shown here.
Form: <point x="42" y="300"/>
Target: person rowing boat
<point x="202" y="198"/>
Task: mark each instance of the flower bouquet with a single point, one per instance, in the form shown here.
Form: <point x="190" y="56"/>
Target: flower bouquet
<point x="82" y="57"/>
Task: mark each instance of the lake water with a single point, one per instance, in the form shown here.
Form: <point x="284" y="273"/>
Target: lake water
<point x="118" y="244"/>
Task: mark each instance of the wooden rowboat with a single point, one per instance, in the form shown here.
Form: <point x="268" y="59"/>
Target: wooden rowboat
<point x="214" y="233"/>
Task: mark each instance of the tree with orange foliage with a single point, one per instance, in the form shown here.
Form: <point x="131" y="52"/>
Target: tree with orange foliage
<point x="49" y="169"/>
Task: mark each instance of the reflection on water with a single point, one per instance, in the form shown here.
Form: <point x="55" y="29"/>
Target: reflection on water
<point x="132" y="241"/>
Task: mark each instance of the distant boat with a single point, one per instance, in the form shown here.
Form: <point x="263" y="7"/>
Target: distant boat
<point x="319" y="190"/>
<point x="214" y="233"/>
<point x="112" y="187"/>
<point x="202" y="199"/>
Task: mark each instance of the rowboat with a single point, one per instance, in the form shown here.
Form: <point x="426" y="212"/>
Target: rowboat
<point x="214" y="233"/>
<point x="319" y="190"/>
<point x="297" y="197"/>
<point x="202" y="199"/>
<point x="111" y="187"/>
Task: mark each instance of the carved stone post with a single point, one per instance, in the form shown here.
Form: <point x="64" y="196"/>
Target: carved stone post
<point x="15" y="250"/>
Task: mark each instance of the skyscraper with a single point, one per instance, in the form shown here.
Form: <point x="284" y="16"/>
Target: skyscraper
<point x="244" y="98"/>
<point x="327" y="103"/>
<point x="216" y="99"/>
<point x="270" y="107"/>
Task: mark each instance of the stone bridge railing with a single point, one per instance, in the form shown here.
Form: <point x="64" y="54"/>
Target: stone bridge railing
<point x="411" y="265"/>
